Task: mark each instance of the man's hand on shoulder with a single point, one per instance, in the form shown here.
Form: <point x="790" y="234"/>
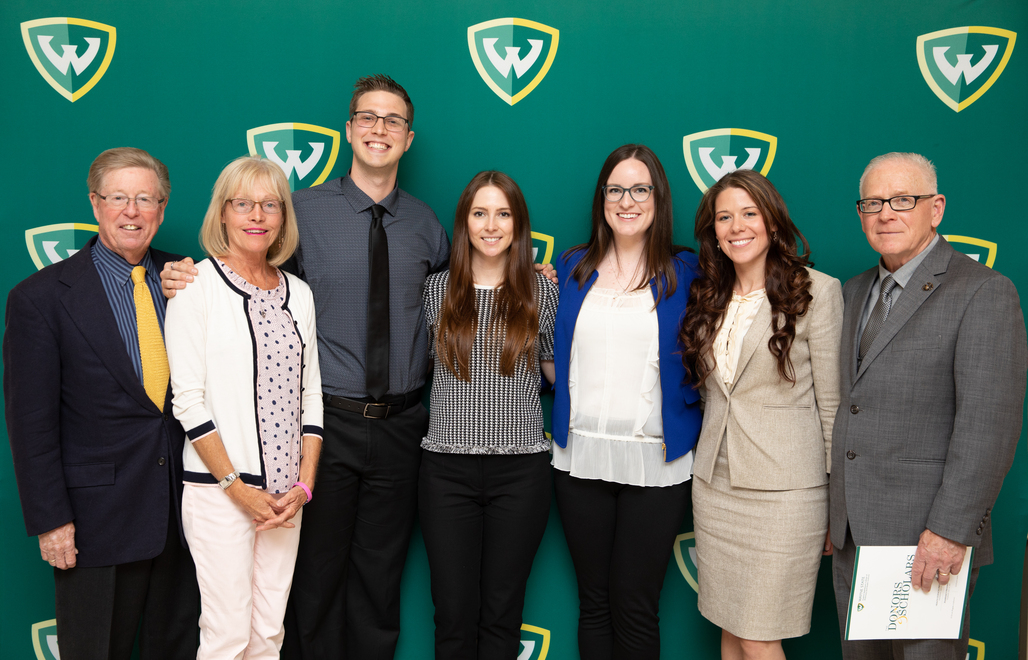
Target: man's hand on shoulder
<point x="548" y="272"/>
<point x="935" y="554"/>
<point x="57" y="547"/>
<point x="176" y="275"/>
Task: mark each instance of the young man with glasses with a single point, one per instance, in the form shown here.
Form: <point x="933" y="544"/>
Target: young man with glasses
<point x="366" y="247"/>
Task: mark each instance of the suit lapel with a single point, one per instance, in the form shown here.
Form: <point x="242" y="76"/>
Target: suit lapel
<point x="851" y="331"/>
<point x="922" y="284"/>
<point x="90" y="310"/>
<point x="755" y="336"/>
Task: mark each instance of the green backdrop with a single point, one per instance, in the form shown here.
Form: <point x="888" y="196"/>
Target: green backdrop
<point x="824" y="86"/>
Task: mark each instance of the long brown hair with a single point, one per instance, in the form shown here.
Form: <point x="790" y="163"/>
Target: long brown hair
<point x="659" y="250"/>
<point x="786" y="280"/>
<point x="515" y="321"/>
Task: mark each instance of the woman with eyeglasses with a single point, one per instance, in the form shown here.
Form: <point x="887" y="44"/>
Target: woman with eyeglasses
<point x="242" y="347"/>
<point x="484" y="488"/>
<point x="761" y="338"/>
<point x="625" y="419"/>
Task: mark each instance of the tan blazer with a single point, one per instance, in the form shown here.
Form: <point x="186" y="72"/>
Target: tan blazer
<point x="779" y="434"/>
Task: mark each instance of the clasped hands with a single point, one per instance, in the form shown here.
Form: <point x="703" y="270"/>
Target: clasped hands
<point x="267" y="511"/>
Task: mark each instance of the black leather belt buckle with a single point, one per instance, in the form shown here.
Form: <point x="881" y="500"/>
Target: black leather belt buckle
<point x="376" y="410"/>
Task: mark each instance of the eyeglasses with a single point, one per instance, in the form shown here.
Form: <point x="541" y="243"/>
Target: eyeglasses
<point x="271" y="206"/>
<point x="639" y="193"/>
<point x="393" y="123"/>
<point x="897" y="203"/>
<point x="120" y="201"/>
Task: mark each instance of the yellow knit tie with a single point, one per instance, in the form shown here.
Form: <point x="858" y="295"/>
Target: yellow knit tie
<point x="151" y="344"/>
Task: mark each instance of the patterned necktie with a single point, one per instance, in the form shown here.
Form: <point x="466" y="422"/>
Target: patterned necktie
<point x="878" y="316"/>
<point x="376" y="368"/>
<point x="151" y="344"/>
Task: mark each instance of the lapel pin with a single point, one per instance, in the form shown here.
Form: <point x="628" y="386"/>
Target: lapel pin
<point x="927" y="287"/>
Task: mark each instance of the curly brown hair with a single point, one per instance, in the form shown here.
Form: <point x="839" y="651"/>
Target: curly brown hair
<point x="786" y="280"/>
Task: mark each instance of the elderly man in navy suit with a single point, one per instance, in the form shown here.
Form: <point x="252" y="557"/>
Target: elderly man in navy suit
<point x="97" y="453"/>
<point x="933" y="383"/>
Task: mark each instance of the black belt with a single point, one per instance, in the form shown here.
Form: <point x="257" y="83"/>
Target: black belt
<point x="371" y="409"/>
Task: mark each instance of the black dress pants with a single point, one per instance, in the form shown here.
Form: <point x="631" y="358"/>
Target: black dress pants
<point x="621" y="538"/>
<point x="482" y="518"/>
<point x="345" y="600"/>
<point x="99" y="608"/>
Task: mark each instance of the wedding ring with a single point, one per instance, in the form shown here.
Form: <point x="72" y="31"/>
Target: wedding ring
<point x="941" y="573"/>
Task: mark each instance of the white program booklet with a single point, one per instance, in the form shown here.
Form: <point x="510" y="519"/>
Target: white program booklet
<point x="883" y="605"/>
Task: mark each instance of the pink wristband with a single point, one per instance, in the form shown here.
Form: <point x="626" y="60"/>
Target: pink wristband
<point x="305" y="489"/>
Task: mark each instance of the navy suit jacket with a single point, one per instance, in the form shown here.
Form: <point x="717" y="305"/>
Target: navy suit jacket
<point x="680" y="405"/>
<point x="89" y="446"/>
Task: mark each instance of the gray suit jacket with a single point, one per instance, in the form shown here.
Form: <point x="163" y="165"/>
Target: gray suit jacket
<point x="928" y="424"/>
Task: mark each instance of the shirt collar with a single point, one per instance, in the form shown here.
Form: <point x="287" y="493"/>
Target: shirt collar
<point x="906" y="271"/>
<point x="360" y="201"/>
<point x="115" y="264"/>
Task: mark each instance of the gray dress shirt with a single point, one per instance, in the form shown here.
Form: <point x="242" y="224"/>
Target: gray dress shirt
<point x="334" y="220"/>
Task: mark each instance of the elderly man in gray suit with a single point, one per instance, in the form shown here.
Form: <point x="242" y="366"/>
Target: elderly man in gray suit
<point x="934" y="358"/>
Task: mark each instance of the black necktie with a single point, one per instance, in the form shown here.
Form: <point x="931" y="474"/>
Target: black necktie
<point x="376" y="373"/>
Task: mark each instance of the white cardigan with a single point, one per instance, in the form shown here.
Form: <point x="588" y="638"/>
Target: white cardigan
<point x="213" y="358"/>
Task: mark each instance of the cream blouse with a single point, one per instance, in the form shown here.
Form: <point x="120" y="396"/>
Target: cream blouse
<point x="616" y="430"/>
<point x="737" y="321"/>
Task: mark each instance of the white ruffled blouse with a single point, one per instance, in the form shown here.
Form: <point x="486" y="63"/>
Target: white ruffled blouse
<point x="616" y="430"/>
<point x="737" y="321"/>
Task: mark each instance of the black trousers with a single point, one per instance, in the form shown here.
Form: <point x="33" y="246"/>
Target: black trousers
<point x="621" y="539"/>
<point x="345" y="600"/>
<point x="99" y="608"/>
<point x="883" y="649"/>
<point x="482" y="518"/>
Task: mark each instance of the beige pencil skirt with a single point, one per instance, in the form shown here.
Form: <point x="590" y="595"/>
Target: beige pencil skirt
<point x="758" y="554"/>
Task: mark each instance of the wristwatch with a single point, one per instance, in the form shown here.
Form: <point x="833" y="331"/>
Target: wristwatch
<point x="229" y="478"/>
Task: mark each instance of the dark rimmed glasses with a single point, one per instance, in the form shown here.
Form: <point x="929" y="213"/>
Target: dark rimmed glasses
<point x="393" y="123"/>
<point x="897" y="203"/>
<point x="639" y="193"/>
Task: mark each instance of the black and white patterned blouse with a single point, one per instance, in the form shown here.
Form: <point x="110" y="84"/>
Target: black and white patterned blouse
<point x="492" y="414"/>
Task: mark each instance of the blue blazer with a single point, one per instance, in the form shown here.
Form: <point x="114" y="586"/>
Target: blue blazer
<point x="89" y="445"/>
<point x="680" y="406"/>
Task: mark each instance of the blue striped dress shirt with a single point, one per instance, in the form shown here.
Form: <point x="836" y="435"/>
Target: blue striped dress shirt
<point x="116" y="276"/>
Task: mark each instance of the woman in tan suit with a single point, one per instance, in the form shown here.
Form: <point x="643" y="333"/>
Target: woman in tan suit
<point x="761" y="337"/>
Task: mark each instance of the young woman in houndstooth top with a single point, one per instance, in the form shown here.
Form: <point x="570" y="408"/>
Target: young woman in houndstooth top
<point x="484" y="489"/>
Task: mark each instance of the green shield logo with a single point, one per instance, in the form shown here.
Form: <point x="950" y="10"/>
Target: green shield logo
<point x="542" y="247"/>
<point x="960" y="64"/>
<point x="305" y="152"/>
<point x="512" y="55"/>
<point x="72" y="54"/>
<point x="984" y="252"/>
<point x="52" y="243"/>
<point x="685" y="557"/>
<point x="44" y="640"/>
<point x="712" y="154"/>
<point x="535" y="643"/>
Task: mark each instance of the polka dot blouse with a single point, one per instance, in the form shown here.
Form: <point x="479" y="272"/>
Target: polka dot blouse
<point x="279" y="355"/>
